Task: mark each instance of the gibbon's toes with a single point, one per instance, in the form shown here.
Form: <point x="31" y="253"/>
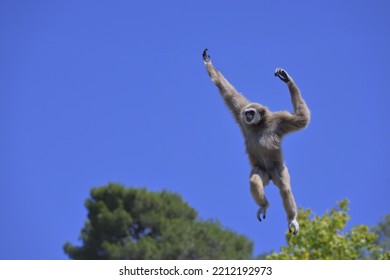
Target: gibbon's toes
<point x="293" y="227"/>
<point x="261" y="210"/>
<point x="206" y="57"/>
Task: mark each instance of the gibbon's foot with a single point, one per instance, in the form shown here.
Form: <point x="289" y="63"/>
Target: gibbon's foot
<point x="293" y="227"/>
<point x="262" y="210"/>
<point x="206" y="57"/>
<point x="282" y="74"/>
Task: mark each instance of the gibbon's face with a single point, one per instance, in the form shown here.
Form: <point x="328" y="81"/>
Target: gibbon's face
<point x="252" y="115"/>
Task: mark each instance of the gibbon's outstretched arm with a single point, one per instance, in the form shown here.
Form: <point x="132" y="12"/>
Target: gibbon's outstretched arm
<point x="301" y="117"/>
<point x="234" y="100"/>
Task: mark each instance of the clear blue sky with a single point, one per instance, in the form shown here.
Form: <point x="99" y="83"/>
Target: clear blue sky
<point x="93" y="92"/>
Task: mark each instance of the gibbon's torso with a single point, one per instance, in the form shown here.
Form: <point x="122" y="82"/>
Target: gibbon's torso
<point x="263" y="147"/>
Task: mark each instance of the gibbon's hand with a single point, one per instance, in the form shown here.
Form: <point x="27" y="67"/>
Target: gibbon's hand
<point x="282" y="74"/>
<point x="206" y="57"/>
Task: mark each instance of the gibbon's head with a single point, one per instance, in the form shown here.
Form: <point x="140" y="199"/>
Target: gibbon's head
<point x="253" y="113"/>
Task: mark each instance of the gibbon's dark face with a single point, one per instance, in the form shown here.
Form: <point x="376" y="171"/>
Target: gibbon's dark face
<point x="252" y="115"/>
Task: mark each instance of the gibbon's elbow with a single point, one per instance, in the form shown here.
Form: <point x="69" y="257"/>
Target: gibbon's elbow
<point x="307" y="117"/>
<point x="303" y="120"/>
<point x="302" y="115"/>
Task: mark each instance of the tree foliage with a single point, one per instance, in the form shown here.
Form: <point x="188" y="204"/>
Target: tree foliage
<point x="129" y="223"/>
<point x="323" y="238"/>
<point x="382" y="229"/>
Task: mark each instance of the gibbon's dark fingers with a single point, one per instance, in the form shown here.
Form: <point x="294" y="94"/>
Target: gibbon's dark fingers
<point x="206" y="58"/>
<point x="282" y="74"/>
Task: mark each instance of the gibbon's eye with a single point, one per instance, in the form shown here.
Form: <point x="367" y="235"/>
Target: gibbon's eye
<point x="249" y="113"/>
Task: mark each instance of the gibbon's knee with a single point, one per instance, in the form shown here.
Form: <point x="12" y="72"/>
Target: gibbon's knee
<point x="259" y="174"/>
<point x="281" y="177"/>
<point x="255" y="179"/>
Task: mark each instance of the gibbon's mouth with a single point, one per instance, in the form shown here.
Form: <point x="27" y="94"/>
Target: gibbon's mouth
<point x="249" y="115"/>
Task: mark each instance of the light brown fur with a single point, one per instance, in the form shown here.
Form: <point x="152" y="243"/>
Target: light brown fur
<point x="263" y="131"/>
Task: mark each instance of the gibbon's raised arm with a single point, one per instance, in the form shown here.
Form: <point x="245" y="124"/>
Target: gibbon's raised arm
<point x="234" y="100"/>
<point x="301" y="117"/>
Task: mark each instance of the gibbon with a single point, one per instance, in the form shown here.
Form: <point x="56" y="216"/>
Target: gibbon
<point x="263" y="131"/>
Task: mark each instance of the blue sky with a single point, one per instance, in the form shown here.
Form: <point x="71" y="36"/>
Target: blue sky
<point x="93" y="92"/>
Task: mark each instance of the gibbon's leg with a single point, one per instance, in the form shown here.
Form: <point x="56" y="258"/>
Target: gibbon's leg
<point x="258" y="180"/>
<point x="281" y="179"/>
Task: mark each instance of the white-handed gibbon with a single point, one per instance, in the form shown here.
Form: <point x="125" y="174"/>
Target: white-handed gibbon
<point x="263" y="131"/>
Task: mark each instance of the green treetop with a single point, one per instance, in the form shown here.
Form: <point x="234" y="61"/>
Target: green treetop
<point x="129" y="223"/>
<point x="323" y="238"/>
